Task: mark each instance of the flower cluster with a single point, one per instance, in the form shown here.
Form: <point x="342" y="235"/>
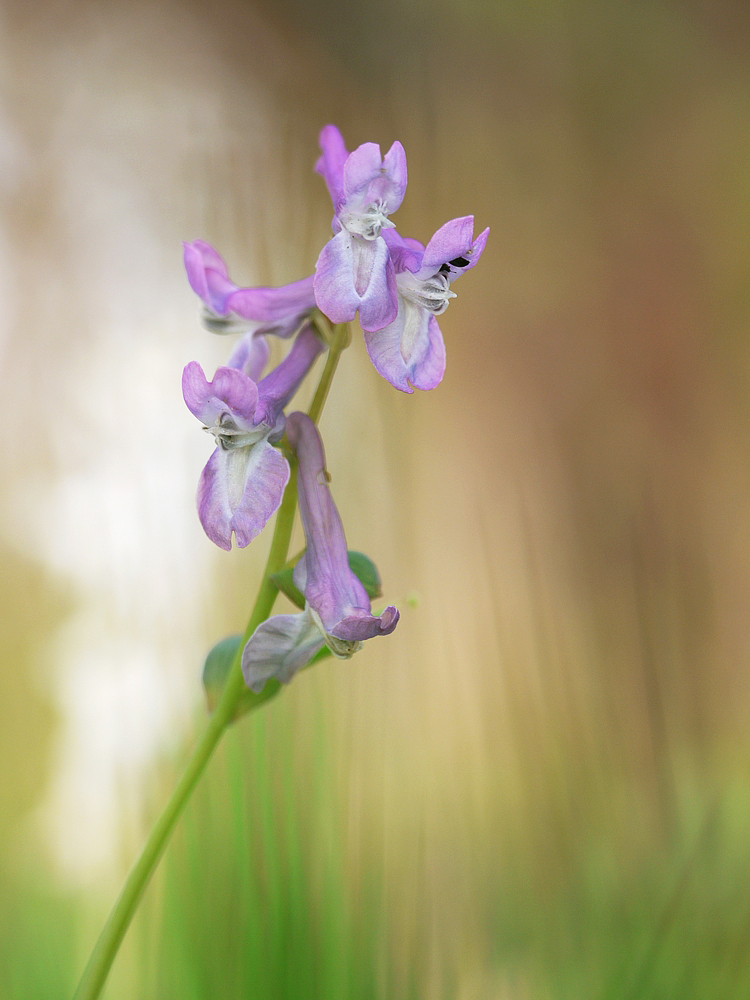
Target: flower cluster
<point x="398" y="287"/>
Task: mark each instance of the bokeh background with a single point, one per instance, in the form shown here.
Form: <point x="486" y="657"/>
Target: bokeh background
<point x="537" y="788"/>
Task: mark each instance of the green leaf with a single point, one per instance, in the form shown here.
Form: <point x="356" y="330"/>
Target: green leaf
<point x="366" y="572"/>
<point x="216" y="670"/>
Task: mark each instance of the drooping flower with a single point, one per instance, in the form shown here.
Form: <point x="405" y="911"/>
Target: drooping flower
<point x="252" y="311"/>
<point x="409" y="351"/>
<point x="354" y="272"/>
<point x="244" y="479"/>
<point x="337" y="609"/>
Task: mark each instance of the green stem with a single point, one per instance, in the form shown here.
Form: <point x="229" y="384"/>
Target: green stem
<point x="113" y="932"/>
<point x="341" y="339"/>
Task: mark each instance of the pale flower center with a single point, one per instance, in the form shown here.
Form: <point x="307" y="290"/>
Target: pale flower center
<point x="369" y="222"/>
<point x="433" y="294"/>
<point x="229" y="436"/>
<point x="343" y="649"/>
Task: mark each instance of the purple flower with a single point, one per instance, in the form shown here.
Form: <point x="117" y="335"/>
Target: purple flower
<point x="337" y="610"/>
<point x="244" y="479"/>
<point x="254" y="311"/>
<point x="409" y="351"/>
<point x="354" y="271"/>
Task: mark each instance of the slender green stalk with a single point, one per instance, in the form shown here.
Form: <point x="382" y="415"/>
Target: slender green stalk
<point x="340" y="340"/>
<point x="113" y="932"/>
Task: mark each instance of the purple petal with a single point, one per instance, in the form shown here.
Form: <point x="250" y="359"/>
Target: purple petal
<point x="250" y="356"/>
<point x="231" y="391"/>
<point x="281" y="309"/>
<point x="198" y="256"/>
<point x="410" y="351"/>
<point x="279" y="647"/>
<point x="395" y="169"/>
<point x="278" y="387"/>
<point x="427" y="362"/>
<point x="454" y="244"/>
<point x="406" y="253"/>
<point x="362" y="167"/>
<point x="239" y="490"/>
<point x="355" y="274"/>
<point x="357" y="628"/>
<point x="368" y="178"/>
<point x="332" y="590"/>
<point x="330" y="165"/>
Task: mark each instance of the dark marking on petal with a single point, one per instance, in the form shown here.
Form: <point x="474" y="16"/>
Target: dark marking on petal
<point x="459" y="262"/>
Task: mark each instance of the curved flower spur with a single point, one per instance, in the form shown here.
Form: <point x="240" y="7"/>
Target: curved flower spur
<point x="244" y="479"/>
<point x="337" y="609"/>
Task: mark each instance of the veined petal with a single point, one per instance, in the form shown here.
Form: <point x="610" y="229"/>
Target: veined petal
<point x="278" y="387"/>
<point x="362" y="167"/>
<point x="231" y="391"/>
<point x="283" y="307"/>
<point x="354" y="274"/>
<point x="331" y="162"/>
<point x="409" y="352"/>
<point x="239" y="490"/>
<point x="250" y="356"/>
<point x="279" y="648"/>
<point x="454" y="244"/>
<point x="331" y="589"/>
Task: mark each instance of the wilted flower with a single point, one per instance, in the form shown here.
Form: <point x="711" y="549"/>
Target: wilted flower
<point x="337" y="609"/>
<point x="244" y="479"/>
<point x="354" y="272"/>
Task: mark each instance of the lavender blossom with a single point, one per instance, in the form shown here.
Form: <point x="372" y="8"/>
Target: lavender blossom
<point x="252" y="311"/>
<point x="410" y="352"/>
<point x="244" y="479"/>
<point x="354" y="272"/>
<point x="337" y="609"/>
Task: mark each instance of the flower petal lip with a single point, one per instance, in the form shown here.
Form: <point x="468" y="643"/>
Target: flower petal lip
<point x="425" y="365"/>
<point x="454" y="245"/>
<point x="354" y="274"/>
<point x="238" y="492"/>
<point x="330" y="164"/>
<point x="230" y="391"/>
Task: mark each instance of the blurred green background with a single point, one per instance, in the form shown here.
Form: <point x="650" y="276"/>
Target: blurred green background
<point x="538" y="787"/>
